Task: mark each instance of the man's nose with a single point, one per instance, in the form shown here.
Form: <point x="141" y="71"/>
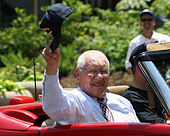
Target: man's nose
<point x="99" y="74"/>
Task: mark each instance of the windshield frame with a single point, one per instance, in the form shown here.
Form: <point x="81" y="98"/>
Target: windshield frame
<point x="156" y="82"/>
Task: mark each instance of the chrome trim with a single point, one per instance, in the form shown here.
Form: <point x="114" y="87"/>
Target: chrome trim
<point x="156" y="82"/>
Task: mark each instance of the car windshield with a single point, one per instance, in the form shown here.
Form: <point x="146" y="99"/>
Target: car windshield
<point x="156" y="79"/>
<point x="164" y="69"/>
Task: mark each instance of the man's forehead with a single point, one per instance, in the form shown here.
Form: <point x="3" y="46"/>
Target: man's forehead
<point x="146" y="15"/>
<point x="96" y="61"/>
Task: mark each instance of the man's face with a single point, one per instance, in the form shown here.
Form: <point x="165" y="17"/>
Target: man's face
<point x="147" y="22"/>
<point x="93" y="77"/>
<point x="162" y="67"/>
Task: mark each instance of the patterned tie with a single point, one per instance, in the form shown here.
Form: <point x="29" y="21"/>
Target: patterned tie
<point x="106" y="112"/>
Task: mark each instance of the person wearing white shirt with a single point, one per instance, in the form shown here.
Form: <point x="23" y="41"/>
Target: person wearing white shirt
<point x="148" y="35"/>
<point x="81" y="104"/>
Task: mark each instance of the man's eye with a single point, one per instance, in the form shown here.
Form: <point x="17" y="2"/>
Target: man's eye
<point x="103" y="72"/>
<point x="92" y="71"/>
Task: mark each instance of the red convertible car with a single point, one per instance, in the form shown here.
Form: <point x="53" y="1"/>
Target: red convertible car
<point x="24" y="116"/>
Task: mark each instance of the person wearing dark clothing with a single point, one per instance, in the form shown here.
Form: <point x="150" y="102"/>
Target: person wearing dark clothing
<point x="146" y="104"/>
<point x="140" y="102"/>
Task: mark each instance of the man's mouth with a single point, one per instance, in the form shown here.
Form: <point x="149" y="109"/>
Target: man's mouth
<point x="98" y="85"/>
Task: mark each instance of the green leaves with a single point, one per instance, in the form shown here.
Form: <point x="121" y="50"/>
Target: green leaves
<point x="23" y="36"/>
<point x="6" y="85"/>
<point x="161" y="7"/>
<point x="68" y="60"/>
<point x="165" y="29"/>
<point x="132" y="4"/>
<point x="19" y="68"/>
<point x="87" y="28"/>
<point x="109" y="32"/>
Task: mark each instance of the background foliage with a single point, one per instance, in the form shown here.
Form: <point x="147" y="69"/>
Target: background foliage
<point x="87" y="28"/>
<point x="8" y="85"/>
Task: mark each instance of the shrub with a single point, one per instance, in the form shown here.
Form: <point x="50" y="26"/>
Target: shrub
<point x="87" y="28"/>
<point x="109" y="32"/>
<point x="6" y="85"/>
<point x="18" y="68"/>
<point x="23" y="36"/>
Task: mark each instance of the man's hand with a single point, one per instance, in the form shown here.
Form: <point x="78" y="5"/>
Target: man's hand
<point x="129" y="70"/>
<point x="52" y="59"/>
<point x="168" y="121"/>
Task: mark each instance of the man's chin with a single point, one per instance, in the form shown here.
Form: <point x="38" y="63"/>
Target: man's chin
<point x="100" y="88"/>
<point x="101" y="91"/>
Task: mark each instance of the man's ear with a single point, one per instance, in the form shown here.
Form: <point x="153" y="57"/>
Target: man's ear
<point x="154" y="23"/>
<point x="77" y="72"/>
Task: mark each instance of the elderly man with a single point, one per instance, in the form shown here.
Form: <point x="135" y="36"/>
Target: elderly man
<point x="90" y="102"/>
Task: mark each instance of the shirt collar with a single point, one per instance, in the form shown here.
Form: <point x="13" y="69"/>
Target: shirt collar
<point x="105" y="98"/>
<point x="153" y="37"/>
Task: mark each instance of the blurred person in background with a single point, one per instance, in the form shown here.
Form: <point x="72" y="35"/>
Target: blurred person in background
<point x="147" y="22"/>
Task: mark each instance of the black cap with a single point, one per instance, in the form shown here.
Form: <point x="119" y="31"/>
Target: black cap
<point x="52" y="22"/>
<point x="139" y="49"/>
<point x="146" y="11"/>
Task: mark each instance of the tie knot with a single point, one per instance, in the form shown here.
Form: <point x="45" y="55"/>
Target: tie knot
<point x="101" y="100"/>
